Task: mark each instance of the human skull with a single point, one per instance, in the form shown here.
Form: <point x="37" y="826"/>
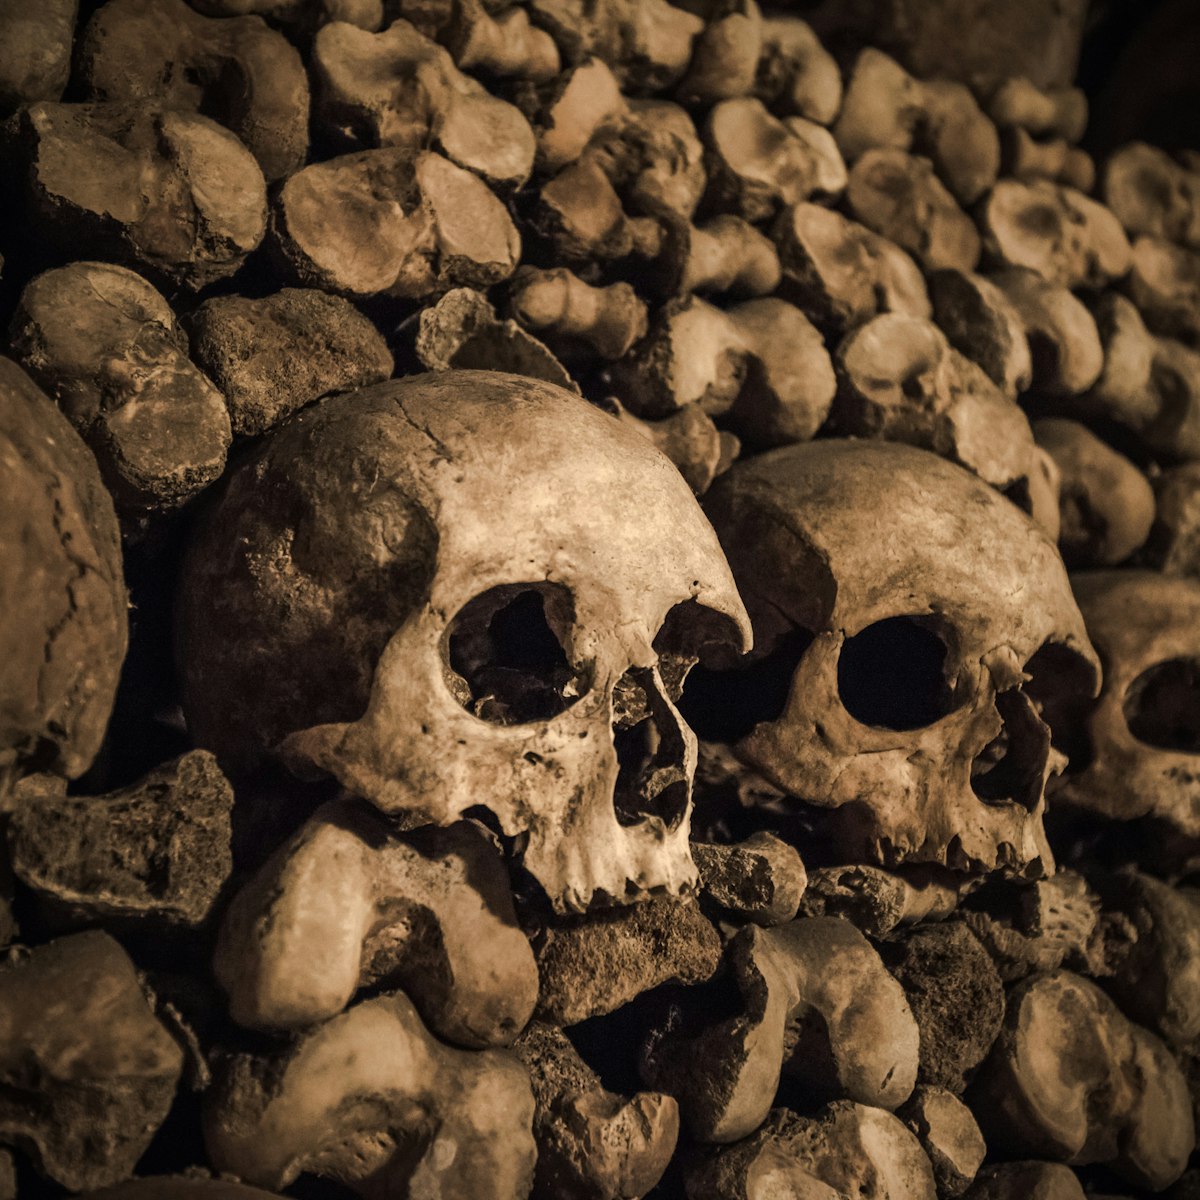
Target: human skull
<point x="1143" y="734"/>
<point x="467" y="589"/>
<point x="909" y="624"/>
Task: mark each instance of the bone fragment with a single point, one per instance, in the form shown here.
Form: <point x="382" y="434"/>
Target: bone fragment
<point x="949" y="1136"/>
<point x="1057" y="160"/>
<point x="503" y="45"/>
<point x="574" y="317"/>
<point x="761" y="880"/>
<point x="35" y="51"/>
<point x="796" y="75"/>
<point x="874" y="900"/>
<point x="1056" y="112"/>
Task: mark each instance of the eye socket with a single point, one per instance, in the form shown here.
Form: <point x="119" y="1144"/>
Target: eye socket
<point x="691" y="631"/>
<point x="1162" y="706"/>
<point x="505" y="656"/>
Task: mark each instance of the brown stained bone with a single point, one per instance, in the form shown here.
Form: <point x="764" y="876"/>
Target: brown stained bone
<point x="298" y="15"/>
<point x="946" y="973"/>
<point x="898" y="196"/>
<point x="1124" y="392"/>
<point x="431" y="913"/>
<point x="372" y="1100"/>
<point x="578" y="320"/>
<point x="239" y="71"/>
<point x="882" y="106"/>
<point x="1044" y="484"/>
<point x="504" y="44"/>
<point x="271" y="356"/>
<point x="900" y="380"/>
<point x="690" y="439"/>
<point x="760" y="880"/>
<point x="1072" y="1080"/>
<point x="157" y="851"/>
<point x="1044" y="112"/>
<point x="65" y="630"/>
<point x="816" y="1005"/>
<point x="1063" y="235"/>
<point x="106" y="346"/>
<point x="841" y="273"/>
<point x="593" y="965"/>
<point x="462" y="330"/>
<point x="1064" y="343"/>
<point x="35" y="51"/>
<point x="567" y="111"/>
<point x="948" y="1134"/>
<point x="1106" y="503"/>
<point x="1057" y="160"/>
<point x="172" y="193"/>
<point x="591" y="1143"/>
<point x="759" y="164"/>
<point x="723" y="255"/>
<point x="874" y="900"/>
<point x="1174" y="543"/>
<point x="725" y="54"/>
<point x="430" y="224"/>
<point x="1153" y="195"/>
<point x="1174" y="433"/>
<point x="87" y="1070"/>
<point x="399" y="89"/>
<point x="1164" y="283"/>
<point x="1027" y="1181"/>
<point x="959" y="139"/>
<point x="796" y="75"/>
<point x="981" y="323"/>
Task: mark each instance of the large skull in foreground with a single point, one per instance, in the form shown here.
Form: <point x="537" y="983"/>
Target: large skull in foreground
<point x="467" y="589"/>
<point x="927" y="620"/>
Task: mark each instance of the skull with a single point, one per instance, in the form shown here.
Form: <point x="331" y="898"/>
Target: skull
<point x="1142" y="757"/>
<point x="467" y="589"/>
<point x="909" y="623"/>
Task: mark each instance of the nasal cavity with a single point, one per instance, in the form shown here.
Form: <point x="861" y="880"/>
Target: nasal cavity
<point x="652" y="779"/>
<point x="1162" y="706"/>
<point x="1011" y="768"/>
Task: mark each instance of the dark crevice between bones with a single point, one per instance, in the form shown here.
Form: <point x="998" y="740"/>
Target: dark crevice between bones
<point x="1162" y="706"/>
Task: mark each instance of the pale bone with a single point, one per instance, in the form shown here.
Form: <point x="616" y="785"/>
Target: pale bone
<point x="1057" y="112"/>
<point x="760" y="880"/>
<point x="948" y="1134"/>
<point x="1152" y="194"/>
<point x="847" y="1031"/>
<point x="724" y="254"/>
<point x="877" y="901"/>
<point x="374" y="700"/>
<point x="796" y="74"/>
<point x="1056" y="160"/>
<point x="431" y="913"/>
<point x="1044" y="484"/>
<point x="371" y="1099"/>
<point x="505" y="44"/>
<point x="847" y="534"/>
<point x="690" y="439"/>
<point x="725" y="54"/>
<point x="575" y="317"/>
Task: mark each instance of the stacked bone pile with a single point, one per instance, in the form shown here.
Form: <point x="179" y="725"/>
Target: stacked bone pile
<point x="365" y="364"/>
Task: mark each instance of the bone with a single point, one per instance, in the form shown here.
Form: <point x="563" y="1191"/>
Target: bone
<point x="171" y="193"/>
<point x="723" y="255"/>
<point x="1044" y="484"/>
<point x="1063" y="235"/>
<point x="180" y="1187"/>
<point x="1056" y="160"/>
<point x="164" y="53"/>
<point x="898" y="196"/>
<point x="725" y="55"/>
<point x="1035" y="1180"/>
<point x="1153" y="195"/>
<point x="690" y="439"/>
<point x="1054" y="112"/>
<point x="432" y="224"/>
<point x="80" y="1029"/>
<point x="271" y="356"/>
<point x="1174" y="433"/>
<point x="1070" y="1079"/>
<point x="35" y="51"/>
<point x="1124" y="392"/>
<point x="65" y="630"/>
<point x="431" y="913"/>
<point x="796" y="75"/>
<point x="1174" y="543"/>
<point x="504" y="45"/>
<point x="948" y="1134"/>
<point x="760" y="880"/>
<point x="591" y="1143"/>
<point x="594" y="965"/>
<point x="156" y="852"/>
<point x="107" y="347"/>
<point x="399" y="89"/>
<point x="298" y="16"/>
<point x="567" y="111"/>
<point x="577" y="319"/>
<point x="981" y="322"/>
<point x="1164" y="283"/>
<point x="372" y="1100"/>
<point x="797" y="1019"/>
<point x="874" y="900"/>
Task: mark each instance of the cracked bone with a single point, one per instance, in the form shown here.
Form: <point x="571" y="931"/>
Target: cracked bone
<point x="429" y="912"/>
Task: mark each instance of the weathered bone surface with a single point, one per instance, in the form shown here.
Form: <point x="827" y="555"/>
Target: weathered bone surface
<point x="108" y="349"/>
<point x="504" y="45"/>
<point x="1174" y="544"/>
<point x="949" y="1136"/>
<point x="725" y="54"/>
<point x="1027" y="1181"/>
<point x="875" y="900"/>
<point x="843" y="1032"/>
<point x="576" y="319"/>
<point x="760" y="880"/>
<point x="796" y="74"/>
<point x="430" y="912"/>
<point x="691" y="440"/>
<point x="591" y="1143"/>
<point x="35" y="51"/>
<point x="389" y="633"/>
<point x="86" y="1069"/>
<point x="172" y="193"/>
<point x="62" y="592"/>
<point x="239" y="71"/>
<point x="371" y="1099"/>
<point x="723" y="255"/>
<point x="156" y="851"/>
<point x="1164" y="283"/>
<point x="864" y="562"/>
<point x="1152" y="194"/>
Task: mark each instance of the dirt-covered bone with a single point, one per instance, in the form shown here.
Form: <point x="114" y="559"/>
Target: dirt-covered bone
<point x="760" y="880"/>
<point x="589" y="966"/>
<point x="157" y="851"/>
<point x="1150" y="193"/>
<point x="591" y="1143"/>
<point x="35" y="51"/>
<point x="1143" y="733"/>
<point x="399" y="89"/>
<point x="575" y="318"/>
<point x="899" y="379"/>
<point x="948" y="1134"/>
<point x="238" y="71"/>
<point x="796" y="75"/>
<point x="1164" y="283"/>
<point x="885" y="581"/>
<point x="87" y="1071"/>
<point x="430" y="912"/>
<point x="106" y="346"/>
<point x="726" y="53"/>
<point x="1027" y="1181"/>
<point x="272" y="355"/>
<point x="171" y="193"/>
<point x="62" y="591"/>
<point x="1174" y="543"/>
<point x="816" y="1005"/>
<point x="503" y="44"/>
<point x="431" y="226"/>
<point x="1071" y="1079"/>
<point x="456" y="638"/>
<point x="1106" y="503"/>
<point x="691" y="440"/>
<point x="1057" y="160"/>
<point x="874" y="900"/>
<point x="372" y="1100"/>
<point x="1045" y="112"/>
